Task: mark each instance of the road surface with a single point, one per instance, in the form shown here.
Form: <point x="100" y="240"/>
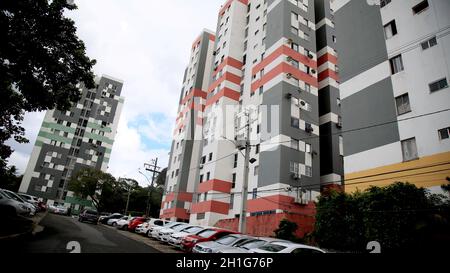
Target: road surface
<point x="59" y="231"/>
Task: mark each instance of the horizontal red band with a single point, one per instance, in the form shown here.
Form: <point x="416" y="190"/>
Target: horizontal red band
<point x="210" y="206"/>
<point x="215" y="185"/>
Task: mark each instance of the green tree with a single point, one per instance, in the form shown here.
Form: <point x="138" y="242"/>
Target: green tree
<point x="41" y="63"/>
<point x="93" y="184"/>
<point x="9" y="179"/>
<point x="286" y="230"/>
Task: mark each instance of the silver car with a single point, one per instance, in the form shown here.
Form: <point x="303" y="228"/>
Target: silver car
<point x="176" y="238"/>
<point x="233" y="240"/>
<point x="251" y="244"/>
<point x="30" y="207"/>
<point x="7" y="202"/>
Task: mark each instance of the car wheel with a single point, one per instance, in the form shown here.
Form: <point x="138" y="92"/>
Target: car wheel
<point x="147" y="234"/>
<point x="125" y="227"/>
<point x="114" y="224"/>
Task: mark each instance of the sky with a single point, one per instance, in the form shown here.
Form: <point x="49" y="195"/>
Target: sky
<point x="145" y="43"/>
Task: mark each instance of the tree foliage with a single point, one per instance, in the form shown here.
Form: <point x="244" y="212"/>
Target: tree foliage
<point x="110" y="195"/>
<point x="399" y="217"/>
<point x="286" y="230"/>
<point x="41" y="62"/>
<point x="9" y="179"/>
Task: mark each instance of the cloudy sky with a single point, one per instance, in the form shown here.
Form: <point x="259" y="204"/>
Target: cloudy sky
<point x="146" y="43"/>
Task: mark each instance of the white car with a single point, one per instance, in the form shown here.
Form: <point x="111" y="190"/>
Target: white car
<point x="62" y="210"/>
<point x="281" y="247"/>
<point x="233" y="240"/>
<point x="146" y="228"/>
<point x="8" y="202"/>
<point x="252" y="244"/>
<point x="164" y="234"/>
<point x="123" y="222"/>
<point x="155" y="231"/>
<point x="176" y="238"/>
<point x="30" y="207"/>
<point x="113" y="222"/>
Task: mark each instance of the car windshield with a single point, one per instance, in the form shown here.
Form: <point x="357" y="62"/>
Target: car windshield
<point x="228" y="240"/>
<point x="14" y="196"/>
<point x="272" y="248"/>
<point x="193" y="230"/>
<point x="180" y="227"/>
<point x="207" y="233"/>
<point x="91" y="212"/>
<point x="25" y="197"/>
<point x="253" y="244"/>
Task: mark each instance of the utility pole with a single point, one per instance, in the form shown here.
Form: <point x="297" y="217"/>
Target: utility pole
<point x="154" y="168"/>
<point x="243" y="214"/>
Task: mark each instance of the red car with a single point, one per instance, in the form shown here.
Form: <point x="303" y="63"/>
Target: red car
<point x="210" y="234"/>
<point x="135" y="222"/>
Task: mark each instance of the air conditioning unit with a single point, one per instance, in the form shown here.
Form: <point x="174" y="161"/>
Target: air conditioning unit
<point x="201" y="166"/>
<point x="339" y="124"/>
<point x="290" y="41"/>
<point x="289" y="59"/>
<point x="289" y="75"/>
<point x="295" y="176"/>
<point x="313" y="71"/>
<point x="309" y="129"/>
<point x="302" y="103"/>
<point x="214" y="53"/>
<point x="310" y="56"/>
<point x="288" y="96"/>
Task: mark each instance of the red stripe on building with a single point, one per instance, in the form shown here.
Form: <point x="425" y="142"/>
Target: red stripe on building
<point x="225" y="77"/>
<point x="284" y="68"/>
<point x="180" y="213"/>
<point x="212" y="37"/>
<point x="228" y="4"/>
<point x="281" y="202"/>
<point x="328" y="73"/>
<point x="185" y="196"/>
<point x="210" y="206"/>
<point x="284" y="50"/>
<point x="228" y="61"/>
<point x="327" y="57"/>
<point x="225" y="92"/>
<point x="169" y="197"/>
<point x="194" y="93"/>
<point x="215" y="185"/>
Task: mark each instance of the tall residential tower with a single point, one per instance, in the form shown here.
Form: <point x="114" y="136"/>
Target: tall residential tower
<point x="69" y="141"/>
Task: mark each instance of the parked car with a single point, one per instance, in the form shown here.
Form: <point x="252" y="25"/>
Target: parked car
<point x="31" y="199"/>
<point x="124" y="222"/>
<point x="114" y="216"/>
<point x="147" y="227"/>
<point x="251" y="244"/>
<point x="61" y="210"/>
<point x="136" y="221"/>
<point x="164" y="234"/>
<point x="88" y="215"/>
<point x="224" y="242"/>
<point x="206" y="235"/>
<point x="176" y="238"/>
<point x="282" y="247"/>
<point x="113" y="222"/>
<point x="155" y="231"/>
<point x="30" y="207"/>
<point x="9" y="204"/>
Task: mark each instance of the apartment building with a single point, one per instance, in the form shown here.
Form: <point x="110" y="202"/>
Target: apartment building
<point x="69" y="141"/>
<point x="273" y="68"/>
<point x="394" y="59"/>
<point x="183" y="170"/>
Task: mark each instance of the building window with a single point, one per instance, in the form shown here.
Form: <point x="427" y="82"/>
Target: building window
<point x="390" y="29"/>
<point x="255" y="193"/>
<point x="403" y="105"/>
<point x="235" y="161"/>
<point x="396" y="64"/>
<point x="208" y="176"/>
<point x="203" y="159"/>
<point x="308" y="171"/>
<point x="384" y="2"/>
<point x="409" y="149"/>
<point x="438" y="85"/>
<point x="256" y="170"/>
<point x="294" y="46"/>
<point x="420" y="7"/>
<point x="341" y="145"/>
<point x="293" y="168"/>
<point x="295" y="144"/>
<point x="201" y="178"/>
<point x="308" y="148"/>
<point x="257" y="148"/>
<point x="200" y="216"/>
<point x="430" y="43"/>
<point x="231" y="200"/>
<point x="234" y="181"/>
<point x="294" y="30"/>
<point x="210" y="156"/>
<point x="444" y="133"/>
<point x="295" y="122"/>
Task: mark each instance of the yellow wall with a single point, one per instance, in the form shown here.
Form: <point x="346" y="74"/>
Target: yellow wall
<point x="424" y="172"/>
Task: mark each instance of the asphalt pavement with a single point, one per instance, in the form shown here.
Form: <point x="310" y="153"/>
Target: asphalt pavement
<point x="62" y="234"/>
